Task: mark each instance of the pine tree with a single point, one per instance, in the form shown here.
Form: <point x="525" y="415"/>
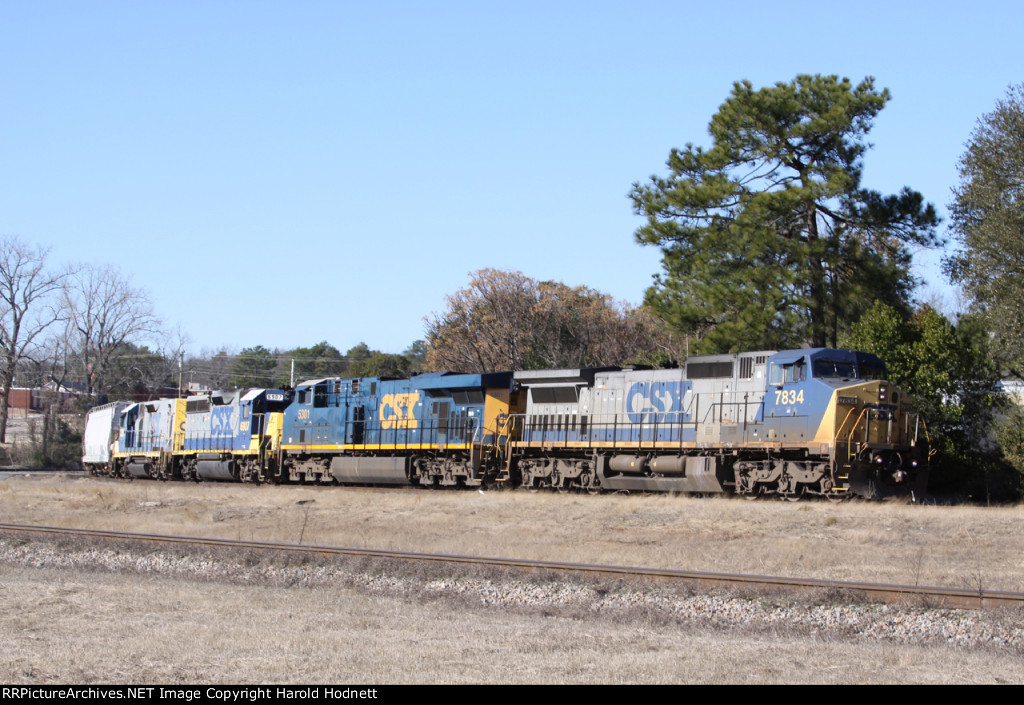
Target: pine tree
<point x="769" y="240"/>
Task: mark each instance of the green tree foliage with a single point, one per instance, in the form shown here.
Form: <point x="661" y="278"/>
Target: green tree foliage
<point x="320" y="360"/>
<point x="988" y="220"/>
<point x="54" y="443"/>
<point x="945" y="367"/>
<point x="357" y="356"/>
<point x="769" y="240"/>
<point x="949" y="371"/>
<point x="379" y="364"/>
<point x="1010" y="436"/>
<point x="259" y="367"/>
<point x="254" y="367"/>
<point x="324" y="360"/>
<point x="508" y="321"/>
<point x="416" y="354"/>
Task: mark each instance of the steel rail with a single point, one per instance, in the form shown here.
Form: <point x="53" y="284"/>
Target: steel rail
<point x="932" y="596"/>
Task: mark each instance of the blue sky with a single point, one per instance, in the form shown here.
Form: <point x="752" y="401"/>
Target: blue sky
<point x="281" y="173"/>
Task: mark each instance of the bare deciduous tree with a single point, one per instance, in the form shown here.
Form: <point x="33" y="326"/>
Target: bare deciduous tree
<point x="28" y="307"/>
<point x="107" y="313"/>
<point x="508" y="321"/>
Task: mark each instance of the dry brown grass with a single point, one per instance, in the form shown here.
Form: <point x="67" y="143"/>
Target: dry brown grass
<point x="79" y="627"/>
<point x="84" y="627"/>
<point x="879" y="542"/>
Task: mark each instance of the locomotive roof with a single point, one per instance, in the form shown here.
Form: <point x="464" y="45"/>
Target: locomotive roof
<point x="448" y="380"/>
<point x="837" y="354"/>
<point x="730" y="356"/>
<point x="580" y="375"/>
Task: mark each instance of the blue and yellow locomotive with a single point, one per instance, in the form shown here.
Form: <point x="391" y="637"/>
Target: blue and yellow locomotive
<point x="433" y="429"/>
<point x="232" y="435"/>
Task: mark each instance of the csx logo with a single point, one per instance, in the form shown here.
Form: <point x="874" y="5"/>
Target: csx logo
<point x="397" y="410"/>
<point x="220" y="421"/>
<point x="648" y="402"/>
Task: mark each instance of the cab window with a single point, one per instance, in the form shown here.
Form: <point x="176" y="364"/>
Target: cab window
<point x="788" y="372"/>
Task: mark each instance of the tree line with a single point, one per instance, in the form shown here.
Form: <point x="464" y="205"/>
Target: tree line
<point x="258" y="366"/>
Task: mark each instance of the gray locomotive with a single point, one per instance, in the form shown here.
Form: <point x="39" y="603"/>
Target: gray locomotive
<point x="815" y="421"/>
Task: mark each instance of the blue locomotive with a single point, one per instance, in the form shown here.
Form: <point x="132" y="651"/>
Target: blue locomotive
<point x="232" y="435"/>
<point x="433" y="429"/>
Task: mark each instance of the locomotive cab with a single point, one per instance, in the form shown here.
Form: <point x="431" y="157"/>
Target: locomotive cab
<point x="837" y="405"/>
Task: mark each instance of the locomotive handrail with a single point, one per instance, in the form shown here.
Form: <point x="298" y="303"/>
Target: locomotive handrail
<point x="853" y="429"/>
<point x="730" y="408"/>
<point x="468" y="431"/>
<point x="839" y="432"/>
<point x="931" y="451"/>
<point x="866" y="414"/>
<point x="510" y="427"/>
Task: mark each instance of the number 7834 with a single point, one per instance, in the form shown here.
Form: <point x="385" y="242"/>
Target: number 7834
<point x="789" y="396"/>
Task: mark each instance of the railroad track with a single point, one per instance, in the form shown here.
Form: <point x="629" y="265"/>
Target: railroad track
<point x="20" y="470"/>
<point x="963" y="598"/>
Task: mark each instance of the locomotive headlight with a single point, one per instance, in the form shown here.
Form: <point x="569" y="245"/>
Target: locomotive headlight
<point x="882" y="392"/>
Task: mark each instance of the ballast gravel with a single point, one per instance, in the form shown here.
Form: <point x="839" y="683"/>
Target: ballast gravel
<point x="1003" y="630"/>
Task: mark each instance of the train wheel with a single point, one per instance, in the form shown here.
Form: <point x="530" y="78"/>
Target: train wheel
<point x="525" y="479"/>
<point x="755" y="492"/>
<point x="828" y="491"/>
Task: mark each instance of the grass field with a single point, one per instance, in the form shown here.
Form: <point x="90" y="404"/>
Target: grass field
<point x="877" y="542"/>
<point x="67" y="625"/>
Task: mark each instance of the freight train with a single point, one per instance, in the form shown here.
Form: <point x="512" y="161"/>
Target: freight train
<point x="789" y="423"/>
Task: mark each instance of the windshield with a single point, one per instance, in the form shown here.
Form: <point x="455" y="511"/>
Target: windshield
<point x="829" y="368"/>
